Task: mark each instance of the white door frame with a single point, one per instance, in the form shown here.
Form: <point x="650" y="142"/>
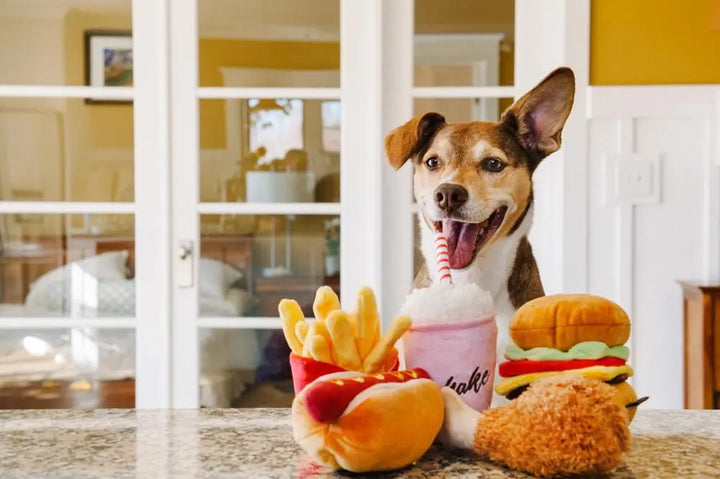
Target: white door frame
<point x="550" y="34"/>
<point x="152" y="198"/>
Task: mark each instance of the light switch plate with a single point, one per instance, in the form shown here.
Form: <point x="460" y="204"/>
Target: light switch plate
<point x="634" y="178"/>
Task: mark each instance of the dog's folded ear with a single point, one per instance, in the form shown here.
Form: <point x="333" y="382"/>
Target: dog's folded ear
<point x="539" y="117"/>
<point x="409" y="139"/>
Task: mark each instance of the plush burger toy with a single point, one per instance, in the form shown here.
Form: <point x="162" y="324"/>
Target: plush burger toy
<point x="577" y="333"/>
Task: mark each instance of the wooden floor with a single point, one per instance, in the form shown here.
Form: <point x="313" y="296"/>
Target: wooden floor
<point x="119" y="394"/>
<point x="68" y="395"/>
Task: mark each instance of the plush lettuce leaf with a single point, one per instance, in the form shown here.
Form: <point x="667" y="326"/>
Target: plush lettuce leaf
<point x="586" y="350"/>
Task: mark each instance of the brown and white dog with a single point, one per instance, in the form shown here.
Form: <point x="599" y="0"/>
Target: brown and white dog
<point x="473" y="182"/>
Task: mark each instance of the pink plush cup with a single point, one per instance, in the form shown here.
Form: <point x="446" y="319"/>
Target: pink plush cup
<point x="459" y="354"/>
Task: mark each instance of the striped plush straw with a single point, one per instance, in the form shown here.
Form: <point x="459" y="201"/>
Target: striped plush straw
<point x="442" y="260"/>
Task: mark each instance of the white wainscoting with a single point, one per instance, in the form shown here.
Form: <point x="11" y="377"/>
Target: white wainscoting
<point x="638" y="249"/>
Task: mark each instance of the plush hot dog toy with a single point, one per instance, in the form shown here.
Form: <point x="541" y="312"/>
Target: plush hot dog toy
<point x="563" y="333"/>
<point x="368" y="422"/>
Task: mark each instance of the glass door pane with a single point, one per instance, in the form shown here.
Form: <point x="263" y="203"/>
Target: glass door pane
<point x="463" y="65"/>
<point x="67" y="223"/>
<point x="269" y="258"/>
<point x="66" y="43"/>
<point x="268" y="183"/>
<point x="270" y="150"/>
<point x="466" y="43"/>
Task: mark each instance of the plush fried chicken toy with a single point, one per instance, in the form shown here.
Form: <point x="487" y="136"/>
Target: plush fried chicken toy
<point x="566" y="379"/>
<point x="561" y="425"/>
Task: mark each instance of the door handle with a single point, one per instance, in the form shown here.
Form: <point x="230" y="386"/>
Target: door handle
<point x="184" y="251"/>
<point x="184" y="264"/>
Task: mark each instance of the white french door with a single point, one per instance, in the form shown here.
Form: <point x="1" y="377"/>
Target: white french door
<point x="396" y="60"/>
<point x="257" y="168"/>
<point x="83" y="210"/>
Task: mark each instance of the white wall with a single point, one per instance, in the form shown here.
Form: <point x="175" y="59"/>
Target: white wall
<point x="638" y="250"/>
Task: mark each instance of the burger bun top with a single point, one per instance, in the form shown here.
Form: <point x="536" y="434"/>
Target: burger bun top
<point x="564" y="320"/>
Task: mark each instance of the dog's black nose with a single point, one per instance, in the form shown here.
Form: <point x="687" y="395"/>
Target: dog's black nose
<point x="450" y="197"/>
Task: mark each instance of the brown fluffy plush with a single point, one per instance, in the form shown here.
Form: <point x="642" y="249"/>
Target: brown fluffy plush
<point x="561" y="425"/>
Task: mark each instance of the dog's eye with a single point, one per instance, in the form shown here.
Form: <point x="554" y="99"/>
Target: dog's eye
<point x="432" y="162"/>
<point x="493" y="165"/>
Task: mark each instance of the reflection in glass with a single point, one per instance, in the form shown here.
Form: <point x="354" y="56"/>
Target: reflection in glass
<point x="67" y="265"/>
<point x="44" y="42"/>
<point x="272" y="43"/>
<point x="65" y="150"/>
<point x="470" y="44"/>
<point x="265" y="259"/>
<point x="244" y="368"/>
<point x="275" y="129"/>
<point x="67" y="368"/>
<point x="464" y="109"/>
<point x="331" y="126"/>
<point x="270" y="150"/>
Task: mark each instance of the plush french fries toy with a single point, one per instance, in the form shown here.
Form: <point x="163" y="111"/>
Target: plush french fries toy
<point x="336" y="341"/>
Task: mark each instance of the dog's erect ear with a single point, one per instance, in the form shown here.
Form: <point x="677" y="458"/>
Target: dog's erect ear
<point x="539" y="117"/>
<point x="407" y="140"/>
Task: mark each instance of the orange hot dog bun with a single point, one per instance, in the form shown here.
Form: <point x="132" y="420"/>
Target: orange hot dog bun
<point x="386" y="426"/>
<point x="561" y="321"/>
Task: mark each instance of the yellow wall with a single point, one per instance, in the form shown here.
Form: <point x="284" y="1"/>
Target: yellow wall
<point x="107" y="126"/>
<point x="111" y="126"/>
<point x="654" y="42"/>
<point x="217" y="53"/>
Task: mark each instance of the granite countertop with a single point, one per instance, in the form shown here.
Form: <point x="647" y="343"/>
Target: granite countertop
<point x="257" y="443"/>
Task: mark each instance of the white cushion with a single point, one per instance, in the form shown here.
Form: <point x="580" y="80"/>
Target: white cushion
<point x="215" y="278"/>
<point x="103" y="267"/>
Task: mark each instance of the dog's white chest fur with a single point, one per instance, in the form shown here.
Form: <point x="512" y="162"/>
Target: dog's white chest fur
<point x="490" y="270"/>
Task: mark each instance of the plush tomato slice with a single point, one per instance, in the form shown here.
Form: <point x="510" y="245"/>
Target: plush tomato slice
<point x="509" y="369"/>
<point x="326" y="400"/>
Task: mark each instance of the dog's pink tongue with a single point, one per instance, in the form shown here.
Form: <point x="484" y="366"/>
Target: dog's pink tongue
<point x="461" y="238"/>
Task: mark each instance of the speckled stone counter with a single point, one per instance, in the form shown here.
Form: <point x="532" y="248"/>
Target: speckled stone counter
<point x="257" y="443"/>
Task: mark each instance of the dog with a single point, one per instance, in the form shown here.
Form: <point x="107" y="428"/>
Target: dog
<point x="473" y="182"/>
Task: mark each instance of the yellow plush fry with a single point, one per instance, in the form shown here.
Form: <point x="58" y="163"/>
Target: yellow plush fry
<point x="317" y="328"/>
<point x="352" y="317"/>
<point x="367" y="321"/>
<point x="312" y="331"/>
<point x="390" y="359"/>
<point x="325" y="301"/>
<point x="301" y="330"/>
<point x="374" y="361"/>
<point x="343" y="341"/>
<point x="322" y="329"/>
<point x="319" y="349"/>
<point x="291" y="314"/>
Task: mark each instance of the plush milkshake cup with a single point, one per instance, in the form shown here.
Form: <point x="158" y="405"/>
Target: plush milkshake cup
<point x="454" y="338"/>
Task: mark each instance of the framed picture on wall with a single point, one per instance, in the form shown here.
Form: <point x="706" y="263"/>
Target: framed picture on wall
<point x="108" y="60"/>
